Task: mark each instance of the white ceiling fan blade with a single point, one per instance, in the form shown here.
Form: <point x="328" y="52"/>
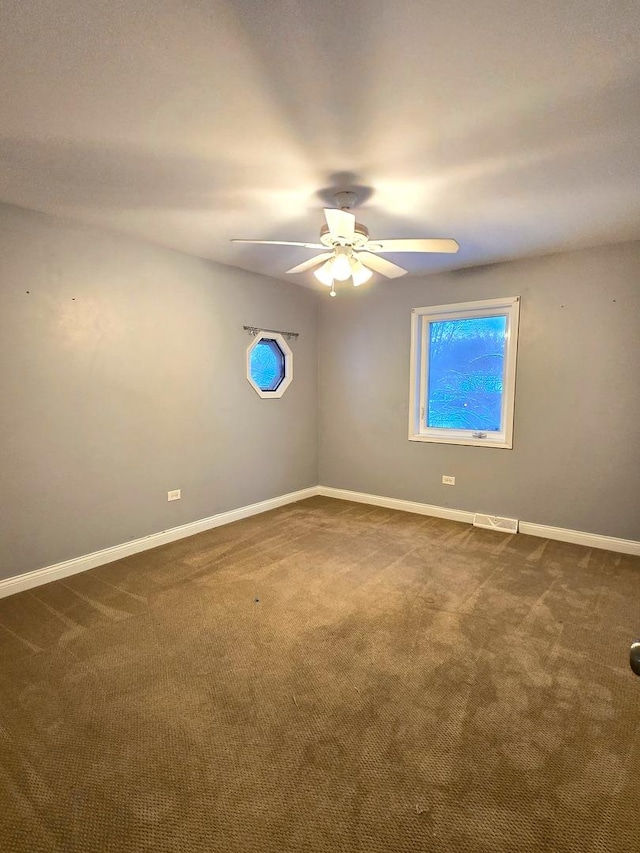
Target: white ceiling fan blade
<point x="342" y="225"/>
<point x="381" y="265"/>
<point x="425" y="244"/>
<point x="279" y="243"/>
<point x="312" y="262"/>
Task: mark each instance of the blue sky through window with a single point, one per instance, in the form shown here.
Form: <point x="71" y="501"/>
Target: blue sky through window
<point x="466" y="373"/>
<point x="267" y="364"/>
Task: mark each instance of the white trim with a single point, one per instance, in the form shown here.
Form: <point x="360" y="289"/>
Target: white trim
<point x="590" y="540"/>
<point x="470" y="442"/>
<point x="288" y="365"/>
<point x="19" y="583"/>
<point x="578" y="537"/>
<point x="397" y="503"/>
<point x="421" y="318"/>
<point x="460" y="309"/>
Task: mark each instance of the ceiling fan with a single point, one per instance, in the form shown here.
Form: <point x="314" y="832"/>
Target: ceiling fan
<point x="350" y="253"/>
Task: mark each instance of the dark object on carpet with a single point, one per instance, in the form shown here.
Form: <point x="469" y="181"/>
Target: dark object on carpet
<point x="407" y="684"/>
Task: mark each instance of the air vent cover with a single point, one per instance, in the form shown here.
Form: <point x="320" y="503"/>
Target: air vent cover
<point x="496" y="522"/>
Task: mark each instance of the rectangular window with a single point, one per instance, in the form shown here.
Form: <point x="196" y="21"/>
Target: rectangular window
<point x="463" y="372"/>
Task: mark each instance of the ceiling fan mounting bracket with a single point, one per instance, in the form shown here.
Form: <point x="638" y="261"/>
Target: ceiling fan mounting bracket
<point x="345" y="200"/>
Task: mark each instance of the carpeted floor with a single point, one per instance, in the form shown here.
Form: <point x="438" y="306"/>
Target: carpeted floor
<point x="326" y="677"/>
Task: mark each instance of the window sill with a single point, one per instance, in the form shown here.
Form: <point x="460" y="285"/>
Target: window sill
<point x="472" y="442"/>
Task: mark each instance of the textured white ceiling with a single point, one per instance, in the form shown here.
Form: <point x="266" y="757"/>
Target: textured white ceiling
<point x="510" y="125"/>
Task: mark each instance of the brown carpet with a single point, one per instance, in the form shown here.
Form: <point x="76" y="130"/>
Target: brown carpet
<point x="326" y="677"/>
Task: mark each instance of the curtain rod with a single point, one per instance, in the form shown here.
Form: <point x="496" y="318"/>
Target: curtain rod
<point x="253" y="330"/>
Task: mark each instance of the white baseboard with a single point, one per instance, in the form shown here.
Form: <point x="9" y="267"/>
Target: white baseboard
<point x="397" y="503"/>
<point x="20" y="583"/>
<point x="577" y="537"/>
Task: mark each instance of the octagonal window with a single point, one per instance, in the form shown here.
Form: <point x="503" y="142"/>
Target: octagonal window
<point x="269" y="364"/>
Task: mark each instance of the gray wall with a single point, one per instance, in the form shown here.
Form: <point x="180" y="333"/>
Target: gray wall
<point x="576" y="456"/>
<point x="122" y="375"/>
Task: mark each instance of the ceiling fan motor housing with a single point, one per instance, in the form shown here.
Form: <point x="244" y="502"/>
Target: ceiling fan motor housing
<point x="361" y="236"/>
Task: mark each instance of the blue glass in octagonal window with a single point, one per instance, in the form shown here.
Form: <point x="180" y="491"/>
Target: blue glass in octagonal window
<point x="466" y="373"/>
<point x="267" y="364"/>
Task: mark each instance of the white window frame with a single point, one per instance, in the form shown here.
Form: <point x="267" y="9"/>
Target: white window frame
<point x="420" y="320"/>
<point x="288" y="365"/>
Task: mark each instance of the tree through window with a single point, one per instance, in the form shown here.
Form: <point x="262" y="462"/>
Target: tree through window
<point x="463" y="372"/>
<point x="269" y="364"/>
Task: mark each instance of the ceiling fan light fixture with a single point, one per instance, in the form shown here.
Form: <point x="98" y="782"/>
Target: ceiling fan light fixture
<point x="359" y="273"/>
<point x="324" y="274"/>
<point x="341" y="266"/>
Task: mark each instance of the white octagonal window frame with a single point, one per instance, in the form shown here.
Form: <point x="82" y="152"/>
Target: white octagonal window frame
<point x="288" y="365"/>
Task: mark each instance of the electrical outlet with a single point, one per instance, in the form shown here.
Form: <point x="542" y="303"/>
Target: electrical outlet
<point x="174" y="495"/>
<point x="448" y="481"/>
